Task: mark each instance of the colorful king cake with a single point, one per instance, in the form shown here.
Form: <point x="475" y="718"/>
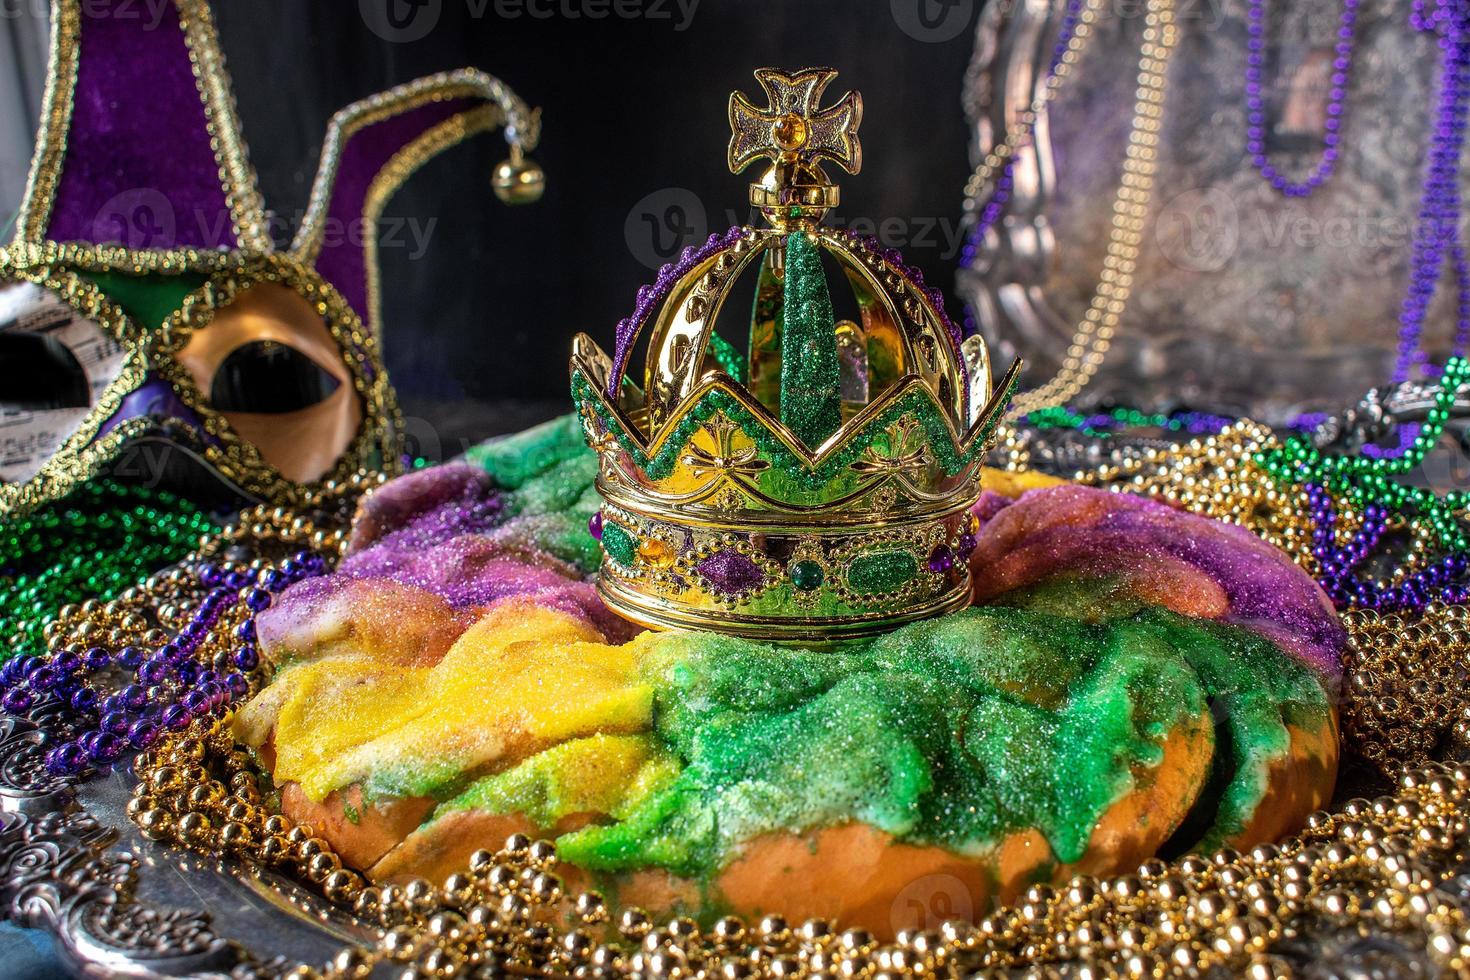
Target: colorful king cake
<point x="888" y="697"/>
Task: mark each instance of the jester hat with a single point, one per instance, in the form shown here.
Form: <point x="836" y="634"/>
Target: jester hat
<point x="143" y="302"/>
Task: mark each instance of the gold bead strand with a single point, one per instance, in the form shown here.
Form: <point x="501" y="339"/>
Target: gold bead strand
<point x="1094" y="333"/>
<point x="1020" y="131"/>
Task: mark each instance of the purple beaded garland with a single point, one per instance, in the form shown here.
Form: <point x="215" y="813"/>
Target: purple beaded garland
<point x="1442" y="581"/>
<point x="1255" y="101"/>
<point x="1001" y="193"/>
<point x="1437" y="234"/>
<point x="173" y="687"/>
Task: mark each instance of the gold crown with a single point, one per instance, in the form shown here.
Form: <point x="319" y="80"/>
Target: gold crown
<point x="820" y="487"/>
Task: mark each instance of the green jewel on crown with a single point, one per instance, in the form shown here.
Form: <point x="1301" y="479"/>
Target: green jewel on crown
<point x="819" y="487"/>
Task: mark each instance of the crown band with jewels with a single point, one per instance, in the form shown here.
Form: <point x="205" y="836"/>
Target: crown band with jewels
<point x="819" y="488"/>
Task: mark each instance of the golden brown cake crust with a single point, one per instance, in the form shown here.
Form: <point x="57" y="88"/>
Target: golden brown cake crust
<point x="853" y="873"/>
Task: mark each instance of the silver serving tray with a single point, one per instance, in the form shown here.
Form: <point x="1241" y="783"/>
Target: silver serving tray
<point x="118" y="904"/>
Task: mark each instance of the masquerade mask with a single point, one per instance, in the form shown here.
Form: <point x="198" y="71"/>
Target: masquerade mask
<point x="146" y="316"/>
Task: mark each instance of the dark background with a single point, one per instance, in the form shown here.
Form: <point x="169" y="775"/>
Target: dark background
<point x="633" y="112"/>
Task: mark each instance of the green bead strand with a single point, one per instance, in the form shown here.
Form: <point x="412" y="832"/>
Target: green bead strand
<point x="93" y="544"/>
<point x="1364" y="480"/>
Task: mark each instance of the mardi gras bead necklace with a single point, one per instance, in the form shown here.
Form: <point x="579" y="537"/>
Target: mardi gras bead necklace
<point x="1094" y="334"/>
<point x="1103" y="423"/>
<point x="1407" y="625"/>
<point x="94" y="543"/>
<point x="1437" y="234"/>
<point x="1077" y="30"/>
<point x="509" y="911"/>
<point x="1001" y="193"/>
<point x="177" y="648"/>
<point x="1417" y="581"/>
<point x="1436" y="241"/>
<point x="1363" y="479"/>
<point x="1404" y="698"/>
<point x="172" y="685"/>
<point x="1438" y="237"/>
<point x="1217" y="466"/>
<point x="1255" y="102"/>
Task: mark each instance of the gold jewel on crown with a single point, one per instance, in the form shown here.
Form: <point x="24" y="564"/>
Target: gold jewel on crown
<point x="819" y="486"/>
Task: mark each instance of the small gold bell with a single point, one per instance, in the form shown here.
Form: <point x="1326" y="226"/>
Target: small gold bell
<point x="518" y="180"/>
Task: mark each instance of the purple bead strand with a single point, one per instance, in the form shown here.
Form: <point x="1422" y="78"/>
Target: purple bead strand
<point x="1255" y="100"/>
<point x="1444" y="580"/>
<point x="1437" y="232"/>
<point x="171" y="686"/>
<point x="1407" y="433"/>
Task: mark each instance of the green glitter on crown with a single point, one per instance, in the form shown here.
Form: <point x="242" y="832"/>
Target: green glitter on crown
<point x="870" y="474"/>
<point x="821" y="477"/>
<point x="811" y="386"/>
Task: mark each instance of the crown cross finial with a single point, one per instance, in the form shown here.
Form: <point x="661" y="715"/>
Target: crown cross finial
<point x="796" y="135"/>
<point x="792" y="126"/>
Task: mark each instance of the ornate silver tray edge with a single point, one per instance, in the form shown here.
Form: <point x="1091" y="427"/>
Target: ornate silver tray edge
<point x="117" y="904"/>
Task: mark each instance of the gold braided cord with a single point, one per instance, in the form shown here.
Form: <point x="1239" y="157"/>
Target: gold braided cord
<point x="61" y="81"/>
<point x="236" y="176"/>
